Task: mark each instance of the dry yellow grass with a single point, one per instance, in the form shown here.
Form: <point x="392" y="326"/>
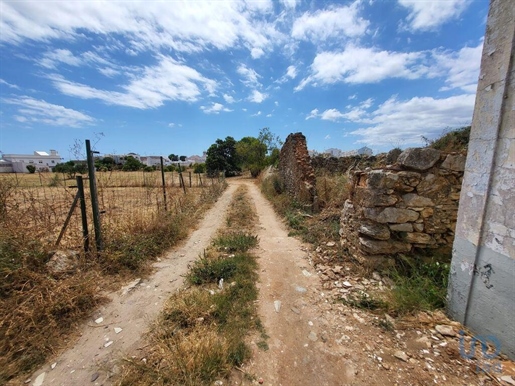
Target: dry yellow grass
<point x="38" y="308"/>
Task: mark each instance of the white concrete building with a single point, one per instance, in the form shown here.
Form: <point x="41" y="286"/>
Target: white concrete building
<point x="42" y="160"/>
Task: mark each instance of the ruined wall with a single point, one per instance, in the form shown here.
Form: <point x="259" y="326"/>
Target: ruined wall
<point x="295" y="169"/>
<point x="412" y="204"/>
<point x="482" y="280"/>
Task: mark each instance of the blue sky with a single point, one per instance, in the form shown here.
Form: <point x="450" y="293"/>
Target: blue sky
<point x="161" y="77"/>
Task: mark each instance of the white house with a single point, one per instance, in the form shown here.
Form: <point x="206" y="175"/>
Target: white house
<point x="40" y="159"/>
<point x="155" y="160"/>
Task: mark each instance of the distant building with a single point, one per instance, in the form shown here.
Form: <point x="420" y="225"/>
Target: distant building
<point x="365" y="151"/>
<point x="338" y="153"/>
<point x="17" y="163"/>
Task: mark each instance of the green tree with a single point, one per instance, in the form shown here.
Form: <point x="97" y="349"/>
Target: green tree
<point x="271" y="140"/>
<point x="182" y="158"/>
<point x="273" y="144"/>
<point x="70" y="168"/>
<point x="173" y="157"/>
<point x="132" y="164"/>
<point x="199" y="168"/>
<point x="252" y="154"/>
<point x="221" y="156"/>
<point x="31" y="169"/>
<point x="105" y="163"/>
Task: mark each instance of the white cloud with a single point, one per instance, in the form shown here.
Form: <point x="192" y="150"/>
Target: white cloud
<point x="331" y="115"/>
<point x="169" y="80"/>
<point x="251" y="77"/>
<point x="257" y="97"/>
<point x="312" y="114"/>
<point x="257" y="114"/>
<point x="228" y="98"/>
<point x="291" y="72"/>
<point x="404" y="122"/>
<point x="188" y="26"/>
<point x="290" y="4"/>
<point x="353" y="97"/>
<point x="10" y="85"/>
<point x="327" y="136"/>
<point x="428" y="15"/>
<point x="256" y="53"/>
<point x="276" y="103"/>
<point x="40" y="111"/>
<point x="215" y="108"/>
<point x="52" y="58"/>
<point x="354" y="113"/>
<point x="330" y="23"/>
<point x="109" y="72"/>
<point x="364" y="65"/>
<point x="268" y="115"/>
<point x="462" y="67"/>
<point x="171" y="124"/>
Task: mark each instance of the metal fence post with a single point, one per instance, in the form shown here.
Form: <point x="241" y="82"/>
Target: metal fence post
<point x="163" y="181"/>
<point x="84" y="215"/>
<point x="94" y="197"/>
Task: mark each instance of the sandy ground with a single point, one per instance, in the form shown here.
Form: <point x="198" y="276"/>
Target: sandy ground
<point x="313" y="338"/>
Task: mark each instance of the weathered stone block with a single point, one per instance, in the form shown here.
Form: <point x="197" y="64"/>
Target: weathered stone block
<point x="407" y="227"/>
<point x="390" y="215"/>
<point x="427" y="212"/>
<point x="419" y="227"/>
<point x="418" y="238"/>
<point x="434" y="187"/>
<point x="373" y="197"/>
<point x="383" y="247"/>
<point x="414" y="200"/>
<point x="455" y="162"/>
<point x="376" y="179"/>
<point x="419" y="158"/>
<point x="375" y="230"/>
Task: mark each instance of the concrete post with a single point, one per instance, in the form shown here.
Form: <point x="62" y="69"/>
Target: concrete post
<point x="482" y="281"/>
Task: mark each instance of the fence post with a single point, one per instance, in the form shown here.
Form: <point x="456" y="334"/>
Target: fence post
<point x="94" y="197"/>
<point x="163" y="181"/>
<point x="181" y="179"/>
<point x="84" y="215"/>
<point x="190" y="178"/>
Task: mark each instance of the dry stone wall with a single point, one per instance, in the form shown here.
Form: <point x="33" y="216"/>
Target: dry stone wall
<point x="296" y="170"/>
<point x="412" y="204"/>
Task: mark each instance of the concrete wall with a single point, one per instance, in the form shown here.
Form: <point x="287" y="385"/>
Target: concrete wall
<point x="482" y="281"/>
<point x="296" y="170"/>
<point x="407" y="206"/>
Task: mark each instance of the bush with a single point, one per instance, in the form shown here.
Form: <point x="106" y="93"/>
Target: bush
<point x="420" y="284"/>
<point x="453" y="141"/>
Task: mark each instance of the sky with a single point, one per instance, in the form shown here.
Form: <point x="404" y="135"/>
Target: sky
<point x="161" y="77"/>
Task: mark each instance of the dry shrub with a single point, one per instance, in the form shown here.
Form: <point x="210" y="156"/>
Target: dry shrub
<point x="332" y="190"/>
<point x="36" y="312"/>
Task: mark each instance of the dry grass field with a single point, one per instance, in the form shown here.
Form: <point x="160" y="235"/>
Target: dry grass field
<point x="38" y="307"/>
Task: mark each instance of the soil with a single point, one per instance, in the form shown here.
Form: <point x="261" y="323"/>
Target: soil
<point x="313" y="338"/>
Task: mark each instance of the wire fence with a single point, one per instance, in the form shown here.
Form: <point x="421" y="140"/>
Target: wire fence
<point x="37" y="205"/>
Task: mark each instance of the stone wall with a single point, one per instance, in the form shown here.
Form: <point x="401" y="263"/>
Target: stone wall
<point x="412" y="204"/>
<point x="296" y="171"/>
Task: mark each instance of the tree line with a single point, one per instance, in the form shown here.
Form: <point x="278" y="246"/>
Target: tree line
<point x="232" y="157"/>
